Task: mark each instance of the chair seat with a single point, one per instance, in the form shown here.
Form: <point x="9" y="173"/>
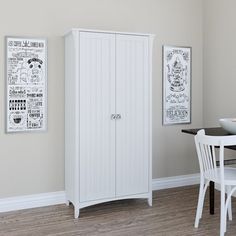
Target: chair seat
<point x="229" y="176"/>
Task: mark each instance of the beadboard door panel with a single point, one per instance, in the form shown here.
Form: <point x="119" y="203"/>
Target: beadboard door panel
<point x="97" y="103"/>
<point x="132" y="103"/>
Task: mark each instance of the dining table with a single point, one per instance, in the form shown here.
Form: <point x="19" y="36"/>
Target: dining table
<point x="213" y="131"/>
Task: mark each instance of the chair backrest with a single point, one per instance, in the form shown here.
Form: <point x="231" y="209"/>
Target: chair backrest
<point x="206" y="150"/>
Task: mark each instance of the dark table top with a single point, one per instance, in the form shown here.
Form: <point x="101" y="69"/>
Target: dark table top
<point x="215" y="131"/>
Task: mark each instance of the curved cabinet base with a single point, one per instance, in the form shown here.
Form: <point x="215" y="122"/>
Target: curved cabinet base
<point x="81" y="205"/>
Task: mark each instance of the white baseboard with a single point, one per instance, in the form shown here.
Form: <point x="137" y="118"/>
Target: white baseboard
<point x="32" y="201"/>
<point x="54" y="198"/>
<point x="175" y="181"/>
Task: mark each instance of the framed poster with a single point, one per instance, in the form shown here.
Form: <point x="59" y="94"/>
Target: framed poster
<point x="176" y="85"/>
<point x="26" y="84"/>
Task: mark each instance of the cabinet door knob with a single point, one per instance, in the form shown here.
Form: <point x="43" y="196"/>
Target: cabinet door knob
<point x="118" y="116"/>
<point x="113" y="116"/>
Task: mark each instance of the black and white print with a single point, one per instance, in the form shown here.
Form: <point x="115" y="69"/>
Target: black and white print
<point x="176" y="85"/>
<point x="26" y="75"/>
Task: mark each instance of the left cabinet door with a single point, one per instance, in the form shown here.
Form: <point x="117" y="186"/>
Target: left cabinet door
<point x="97" y="104"/>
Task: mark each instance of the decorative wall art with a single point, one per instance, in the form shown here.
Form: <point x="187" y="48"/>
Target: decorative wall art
<point x="176" y="85"/>
<point x="26" y="84"/>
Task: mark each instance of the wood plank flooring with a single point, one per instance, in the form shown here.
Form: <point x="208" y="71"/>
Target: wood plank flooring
<point x="172" y="214"/>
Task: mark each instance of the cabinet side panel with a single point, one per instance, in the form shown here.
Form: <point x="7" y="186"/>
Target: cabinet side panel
<point x="132" y="102"/>
<point x="97" y="103"/>
<point x="70" y="116"/>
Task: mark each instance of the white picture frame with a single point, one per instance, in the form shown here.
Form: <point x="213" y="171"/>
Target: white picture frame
<point x="26" y="84"/>
<point x="177" y="73"/>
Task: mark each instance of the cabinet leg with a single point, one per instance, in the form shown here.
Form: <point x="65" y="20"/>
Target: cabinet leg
<point x="76" y="213"/>
<point x="150" y="201"/>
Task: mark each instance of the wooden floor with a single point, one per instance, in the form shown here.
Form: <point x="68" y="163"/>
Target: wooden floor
<point x="173" y="213"/>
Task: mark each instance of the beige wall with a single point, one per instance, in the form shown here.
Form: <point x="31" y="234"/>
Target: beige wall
<point x="34" y="162"/>
<point x="219" y="60"/>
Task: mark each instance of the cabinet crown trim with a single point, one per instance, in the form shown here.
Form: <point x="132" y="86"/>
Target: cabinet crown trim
<point x="74" y="30"/>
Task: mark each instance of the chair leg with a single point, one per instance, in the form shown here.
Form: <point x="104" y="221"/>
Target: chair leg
<point x="222" y="212"/>
<point x="230" y="205"/>
<point x="200" y="203"/>
<point x="203" y="197"/>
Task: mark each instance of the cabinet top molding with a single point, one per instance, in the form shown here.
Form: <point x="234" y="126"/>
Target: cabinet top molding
<point x="74" y="30"/>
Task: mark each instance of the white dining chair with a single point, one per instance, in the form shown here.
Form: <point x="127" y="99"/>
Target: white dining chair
<point x="224" y="176"/>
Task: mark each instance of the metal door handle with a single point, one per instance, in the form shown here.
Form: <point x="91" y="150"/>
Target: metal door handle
<point x="113" y="116"/>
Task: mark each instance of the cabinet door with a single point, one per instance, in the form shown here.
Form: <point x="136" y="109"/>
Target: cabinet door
<point x="132" y="103"/>
<point x="97" y="103"/>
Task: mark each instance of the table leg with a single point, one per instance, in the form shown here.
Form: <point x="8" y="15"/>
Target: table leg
<point x="212" y="197"/>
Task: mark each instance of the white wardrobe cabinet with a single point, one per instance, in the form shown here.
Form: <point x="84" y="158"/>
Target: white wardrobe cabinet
<point x="108" y="119"/>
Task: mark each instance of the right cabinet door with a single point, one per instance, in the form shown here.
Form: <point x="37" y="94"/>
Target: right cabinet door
<point x="132" y="103"/>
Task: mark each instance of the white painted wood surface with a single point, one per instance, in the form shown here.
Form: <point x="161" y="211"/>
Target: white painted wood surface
<point x="97" y="103"/>
<point x="108" y="117"/>
<point x="70" y="117"/>
<point x="132" y="102"/>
